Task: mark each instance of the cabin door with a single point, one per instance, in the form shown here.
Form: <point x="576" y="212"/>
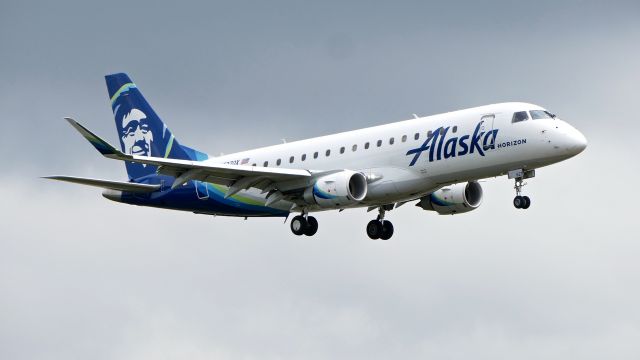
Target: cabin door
<point x="487" y="127"/>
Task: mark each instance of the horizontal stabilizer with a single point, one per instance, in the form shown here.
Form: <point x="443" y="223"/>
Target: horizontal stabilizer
<point x="107" y="184"/>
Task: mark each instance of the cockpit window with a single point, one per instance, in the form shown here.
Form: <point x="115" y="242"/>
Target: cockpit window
<point x="540" y="114"/>
<point x="520" y="116"/>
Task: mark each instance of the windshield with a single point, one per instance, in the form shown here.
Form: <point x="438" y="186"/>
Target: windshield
<point x="541" y="114"/>
<point x="520" y="116"/>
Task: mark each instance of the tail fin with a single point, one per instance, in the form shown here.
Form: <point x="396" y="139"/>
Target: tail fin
<point x="140" y="130"/>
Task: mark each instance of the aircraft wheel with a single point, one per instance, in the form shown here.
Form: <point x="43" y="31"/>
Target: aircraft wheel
<point x="518" y="202"/>
<point x="387" y="230"/>
<point x="374" y="229"/>
<point x="298" y="225"/>
<point x="527" y="202"/>
<point x="312" y="226"/>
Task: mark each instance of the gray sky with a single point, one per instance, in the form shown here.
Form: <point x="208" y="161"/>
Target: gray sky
<point x="82" y="277"/>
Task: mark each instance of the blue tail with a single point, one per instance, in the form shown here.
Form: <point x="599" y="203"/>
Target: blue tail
<point x="140" y="130"/>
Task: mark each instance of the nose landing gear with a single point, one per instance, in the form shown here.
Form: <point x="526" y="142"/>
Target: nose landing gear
<point x="520" y="201"/>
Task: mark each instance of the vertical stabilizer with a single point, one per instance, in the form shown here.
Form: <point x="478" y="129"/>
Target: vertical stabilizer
<point x="140" y="130"/>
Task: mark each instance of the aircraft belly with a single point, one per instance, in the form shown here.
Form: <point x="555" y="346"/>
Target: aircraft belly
<point x="210" y="200"/>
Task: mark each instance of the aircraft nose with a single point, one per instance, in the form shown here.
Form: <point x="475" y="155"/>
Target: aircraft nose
<point x="578" y="141"/>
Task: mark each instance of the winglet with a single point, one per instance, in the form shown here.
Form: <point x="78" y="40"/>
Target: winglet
<point x="102" y="146"/>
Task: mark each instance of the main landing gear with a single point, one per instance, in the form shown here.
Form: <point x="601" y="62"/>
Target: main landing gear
<point x="380" y="228"/>
<point x="304" y="225"/>
<point x="520" y="201"/>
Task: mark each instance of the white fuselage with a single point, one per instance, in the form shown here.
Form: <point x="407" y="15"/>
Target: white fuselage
<point x="468" y="145"/>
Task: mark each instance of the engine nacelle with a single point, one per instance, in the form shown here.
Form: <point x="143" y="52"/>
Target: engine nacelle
<point x="335" y="190"/>
<point x="453" y="199"/>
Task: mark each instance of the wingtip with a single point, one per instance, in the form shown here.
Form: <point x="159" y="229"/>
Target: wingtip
<point x="73" y="123"/>
<point x="101" y="145"/>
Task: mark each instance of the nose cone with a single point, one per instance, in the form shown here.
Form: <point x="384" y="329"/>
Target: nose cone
<point x="577" y="140"/>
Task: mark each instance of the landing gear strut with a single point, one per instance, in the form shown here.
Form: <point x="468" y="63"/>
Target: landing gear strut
<point x="380" y="228"/>
<point x="304" y="225"/>
<point x="520" y="201"/>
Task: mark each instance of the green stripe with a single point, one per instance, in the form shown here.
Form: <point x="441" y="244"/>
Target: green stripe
<point x="169" y="146"/>
<point x="122" y="89"/>
<point x="239" y="198"/>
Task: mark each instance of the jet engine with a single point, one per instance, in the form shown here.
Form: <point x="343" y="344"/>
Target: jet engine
<point x="453" y="199"/>
<point x="335" y="190"/>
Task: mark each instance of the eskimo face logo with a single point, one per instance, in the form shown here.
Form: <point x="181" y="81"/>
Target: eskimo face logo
<point x="136" y="133"/>
<point x="440" y="147"/>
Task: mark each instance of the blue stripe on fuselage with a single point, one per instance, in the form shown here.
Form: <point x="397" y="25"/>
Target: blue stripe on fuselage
<point x="185" y="198"/>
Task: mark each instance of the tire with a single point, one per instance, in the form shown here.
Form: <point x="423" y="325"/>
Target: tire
<point x="312" y="226"/>
<point x="518" y="201"/>
<point x="374" y="229"/>
<point x="527" y="202"/>
<point x="387" y="230"/>
<point x="298" y="225"/>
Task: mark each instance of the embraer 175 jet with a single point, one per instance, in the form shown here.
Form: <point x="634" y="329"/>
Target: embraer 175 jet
<point x="435" y="160"/>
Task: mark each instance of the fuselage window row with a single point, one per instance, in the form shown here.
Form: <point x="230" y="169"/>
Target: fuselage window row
<point x="342" y="149"/>
<point x="367" y="144"/>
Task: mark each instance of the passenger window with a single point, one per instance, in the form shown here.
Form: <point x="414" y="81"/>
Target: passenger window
<point x="278" y="162"/>
<point x="416" y="136"/>
<point x="266" y="163"/>
<point x="291" y="159"/>
<point x="430" y="134"/>
<point x="539" y="114"/>
<point x="303" y="157"/>
<point x="366" y="145"/>
<point x="455" y="129"/>
<point x="327" y="153"/>
<point x="315" y="155"/>
<point x="254" y="164"/>
<point x="342" y="150"/>
<point x="519" y="116"/>
<point x="379" y="143"/>
<point x="391" y="141"/>
<point x="404" y="138"/>
<point x="354" y="147"/>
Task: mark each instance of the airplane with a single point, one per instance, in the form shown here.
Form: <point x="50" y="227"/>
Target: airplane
<point x="436" y="161"/>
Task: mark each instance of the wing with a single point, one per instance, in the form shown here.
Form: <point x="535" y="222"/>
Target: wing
<point x="279" y="181"/>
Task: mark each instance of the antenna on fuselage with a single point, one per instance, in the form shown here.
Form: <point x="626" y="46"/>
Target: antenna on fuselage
<point x="415" y="116"/>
